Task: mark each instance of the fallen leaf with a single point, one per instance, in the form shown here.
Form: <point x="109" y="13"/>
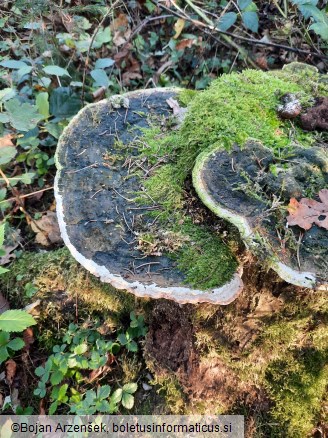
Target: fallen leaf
<point x="42" y="407"/>
<point x="307" y="211"/>
<point x="11" y="367"/>
<point x="121" y="30"/>
<point x="28" y="337"/>
<point x="130" y="75"/>
<point x="47" y="229"/>
<point x="184" y="44"/>
<point x="178" y="27"/>
<point x="178" y="111"/>
<point x="120" y="22"/>
<point x="4" y="305"/>
<point x="8" y="256"/>
<point x="6" y="140"/>
<point x="95" y="374"/>
<point x="262" y="62"/>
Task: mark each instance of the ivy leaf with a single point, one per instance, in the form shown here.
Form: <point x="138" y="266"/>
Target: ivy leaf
<point x="64" y="103"/>
<point x="104" y="63"/>
<point x="243" y="4"/>
<point x="22" y="116"/>
<point x="7" y="94"/>
<point x="55" y="70"/>
<point x="12" y="63"/>
<point x="15" y="321"/>
<point x="7" y="153"/>
<point x="320" y="29"/>
<point x="250" y="20"/>
<point x="100" y="77"/>
<point x="226" y="21"/>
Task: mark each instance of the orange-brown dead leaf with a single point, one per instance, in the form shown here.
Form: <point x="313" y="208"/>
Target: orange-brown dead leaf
<point x="47" y="229"/>
<point x="42" y="407"/>
<point x="28" y="337"/>
<point x="6" y="141"/>
<point x="184" y="44"/>
<point x="307" y="212"/>
<point x="11" y="367"/>
<point x="4" y="305"/>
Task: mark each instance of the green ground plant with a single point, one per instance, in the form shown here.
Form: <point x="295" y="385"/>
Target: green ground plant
<point x="65" y="376"/>
<point x="13" y="321"/>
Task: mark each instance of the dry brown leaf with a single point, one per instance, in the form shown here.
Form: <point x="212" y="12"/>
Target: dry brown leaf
<point x="95" y="374"/>
<point x="120" y="22"/>
<point x="47" y="229"/>
<point x="177" y="110"/>
<point x="4" y="305"/>
<point x="185" y="43"/>
<point x="6" y="141"/>
<point x="307" y="211"/>
<point x="28" y="337"/>
<point x="42" y="407"/>
<point x="11" y="367"/>
<point x="130" y="75"/>
<point x="262" y="62"/>
<point x="178" y="27"/>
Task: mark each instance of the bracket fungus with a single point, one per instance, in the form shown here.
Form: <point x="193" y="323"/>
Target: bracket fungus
<point x="104" y="220"/>
<point x="251" y="188"/>
<point x="128" y="168"/>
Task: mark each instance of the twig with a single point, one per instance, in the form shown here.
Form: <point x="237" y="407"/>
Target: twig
<point x="129" y="200"/>
<point x="27" y="195"/>
<point x="83" y="168"/>
<point x="146" y="264"/>
<point x="239" y="37"/>
<point x="21" y="205"/>
<point x="298" y="250"/>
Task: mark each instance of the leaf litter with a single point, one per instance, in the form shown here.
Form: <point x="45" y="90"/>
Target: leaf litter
<point x="308" y="212"/>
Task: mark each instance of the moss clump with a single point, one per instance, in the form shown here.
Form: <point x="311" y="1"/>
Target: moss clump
<point x="57" y="271"/>
<point x="297" y="384"/>
<point x="206" y="261"/>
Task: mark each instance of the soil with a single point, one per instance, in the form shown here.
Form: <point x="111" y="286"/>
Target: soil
<point x="170" y="344"/>
<point x="316" y="118"/>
